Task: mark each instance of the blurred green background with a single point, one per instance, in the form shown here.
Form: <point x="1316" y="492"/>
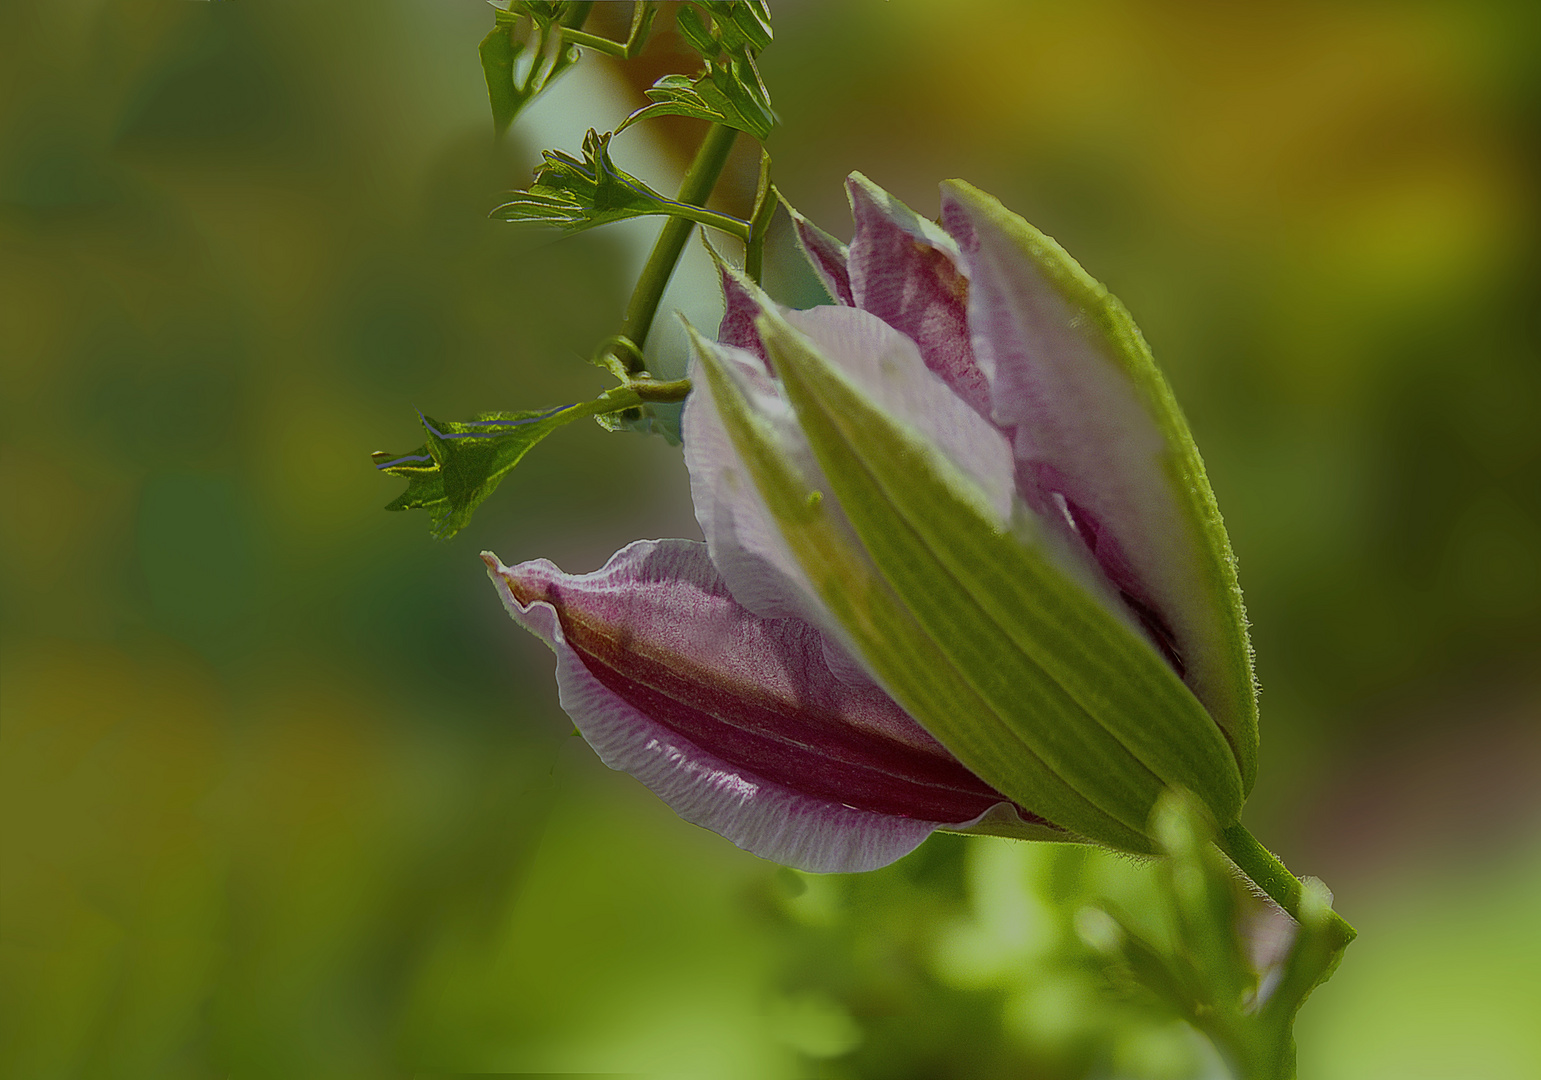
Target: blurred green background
<point x="282" y="791"/>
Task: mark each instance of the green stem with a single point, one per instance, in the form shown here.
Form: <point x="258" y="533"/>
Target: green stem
<point x="595" y="42"/>
<point x="697" y="185"/>
<point x="1270" y="875"/>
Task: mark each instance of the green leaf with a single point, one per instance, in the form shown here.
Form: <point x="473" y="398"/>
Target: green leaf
<point x="574" y="195"/>
<point x="740" y="23"/>
<point x="696" y="33"/>
<point x="729" y="90"/>
<point x="463" y="461"/>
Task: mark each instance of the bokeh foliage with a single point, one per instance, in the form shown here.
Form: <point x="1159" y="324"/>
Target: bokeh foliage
<point x="282" y="791"/>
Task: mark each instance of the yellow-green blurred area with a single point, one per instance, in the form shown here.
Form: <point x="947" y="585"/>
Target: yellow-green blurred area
<point x="283" y="793"/>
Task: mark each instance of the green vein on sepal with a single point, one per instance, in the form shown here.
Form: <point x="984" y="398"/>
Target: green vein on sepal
<point x="1189" y="481"/>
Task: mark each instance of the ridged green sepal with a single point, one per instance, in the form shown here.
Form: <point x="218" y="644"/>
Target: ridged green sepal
<point x="1091" y="698"/>
<point x="984" y="718"/>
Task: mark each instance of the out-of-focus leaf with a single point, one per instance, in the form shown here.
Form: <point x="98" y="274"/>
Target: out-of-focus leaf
<point x="575" y="195"/>
<point x="499" y="51"/>
<point x="521" y="56"/>
<point x="1199" y="967"/>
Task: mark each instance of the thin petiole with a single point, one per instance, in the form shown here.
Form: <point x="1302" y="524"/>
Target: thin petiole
<point x="699" y="180"/>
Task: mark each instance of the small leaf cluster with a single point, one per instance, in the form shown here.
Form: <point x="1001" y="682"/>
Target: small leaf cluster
<point x="573" y="194"/>
<point x="463" y="461"/>
<point x="532" y="42"/>
<point x="729" y="90"/>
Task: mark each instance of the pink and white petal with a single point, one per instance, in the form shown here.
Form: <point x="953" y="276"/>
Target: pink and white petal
<point x="904" y="269"/>
<point x="731" y="719"/>
<point x="1100" y="443"/>
<point x="802" y="266"/>
<point x="888" y="366"/>
<point x="739" y="311"/>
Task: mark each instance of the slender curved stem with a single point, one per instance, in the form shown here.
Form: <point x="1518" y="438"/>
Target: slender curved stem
<point x="697" y="185"/>
<point x="616" y="49"/>
<point x="1269" y="874"/>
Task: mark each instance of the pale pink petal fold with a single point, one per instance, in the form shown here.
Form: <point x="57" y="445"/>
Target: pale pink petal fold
<point x="741" y="536"/>
<point x="734" y="720"/>
<point x="888" y="366"/>
<point x="904" y="269"/>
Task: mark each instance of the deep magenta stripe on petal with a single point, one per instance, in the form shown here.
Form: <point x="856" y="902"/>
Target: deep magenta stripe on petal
<point x="758" y="694"/>
<point x="774" y="820"/>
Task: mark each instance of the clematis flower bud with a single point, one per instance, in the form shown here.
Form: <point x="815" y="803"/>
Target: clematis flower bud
<point x="963" y="568"/>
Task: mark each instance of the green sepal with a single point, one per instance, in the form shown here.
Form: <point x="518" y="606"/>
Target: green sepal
<point x="981" y="721"/>
<point x="463" y="462"/>
<point x="1231" y="691"/>
<point x="575" y="195"/>
<point x="1092" y="699"/>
